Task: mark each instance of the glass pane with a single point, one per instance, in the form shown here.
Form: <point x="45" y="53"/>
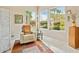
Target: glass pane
<point x="57" y="18"/>
<point x="43" y="20"/>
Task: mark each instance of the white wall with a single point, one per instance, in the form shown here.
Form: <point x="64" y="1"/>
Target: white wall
<point x="16" y="28"/>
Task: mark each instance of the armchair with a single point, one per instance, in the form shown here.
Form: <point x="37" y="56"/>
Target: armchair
<point x="26" y="35"/>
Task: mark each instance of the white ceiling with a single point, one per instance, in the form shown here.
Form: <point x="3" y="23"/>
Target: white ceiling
<point x="74" y="9"/>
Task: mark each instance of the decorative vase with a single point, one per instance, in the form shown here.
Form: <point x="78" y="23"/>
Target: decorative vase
<point x="73" y="19"/>
<point x="73" y="23"/>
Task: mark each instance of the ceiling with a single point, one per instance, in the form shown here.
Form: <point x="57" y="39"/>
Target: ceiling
<point x="74" y="9"/>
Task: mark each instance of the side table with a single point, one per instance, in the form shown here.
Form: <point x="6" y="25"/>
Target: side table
<point x="40" y="35"/>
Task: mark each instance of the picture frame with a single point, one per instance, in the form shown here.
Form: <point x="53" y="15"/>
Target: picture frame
<point x="18" y="19"/>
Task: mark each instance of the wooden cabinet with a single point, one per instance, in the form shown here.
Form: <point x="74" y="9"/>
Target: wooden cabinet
<point x="74" y="37"/>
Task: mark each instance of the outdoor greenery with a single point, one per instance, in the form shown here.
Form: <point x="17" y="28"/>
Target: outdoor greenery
<point x="33" y="23"/>
<point x="29" y="14"/>
<point x="57" y="18"/>
<point x="43" y="24"/>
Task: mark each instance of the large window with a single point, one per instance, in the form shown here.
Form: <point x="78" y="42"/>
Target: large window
<point x="54" y="18"/>
<point x="43" y="19"/>
<point x="57" y="18"/>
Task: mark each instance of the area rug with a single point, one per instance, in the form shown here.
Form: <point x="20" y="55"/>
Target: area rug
<point x="32" y="47"/>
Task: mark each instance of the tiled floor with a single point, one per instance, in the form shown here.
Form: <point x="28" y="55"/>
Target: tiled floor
<point x="59" y="46"/>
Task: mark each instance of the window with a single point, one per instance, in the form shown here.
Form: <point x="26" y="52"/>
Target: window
<point x="31" y="18"/>
<point x="43" y="19"/>
<point x="57" y="18"/>
<point x="31" y="15"/>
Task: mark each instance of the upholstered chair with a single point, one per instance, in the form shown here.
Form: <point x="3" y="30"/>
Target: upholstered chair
<point x="26" y="35"/>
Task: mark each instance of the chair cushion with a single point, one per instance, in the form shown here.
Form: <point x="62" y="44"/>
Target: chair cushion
<point x="26" y="29"/>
